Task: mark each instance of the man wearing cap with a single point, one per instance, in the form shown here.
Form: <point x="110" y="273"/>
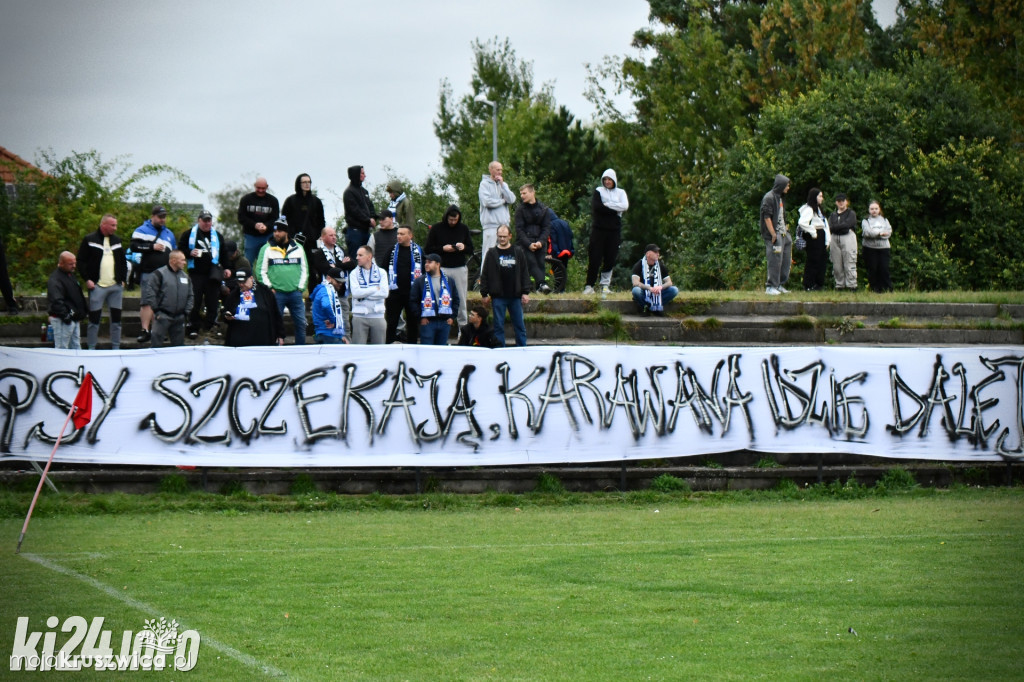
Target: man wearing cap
<point x="652" y="285"/>
<point x="154" y="242"/>
<point x="168" y="292"/>
<point x="436" y="301"/>
<point x="204" y="251"/>
<point x="251" y="314"/>
<point x="843" y="249"/>
<point x="368" y="286"/>
<point x="102" y="263"/>
<point x="328" y="314"/>
<point x="281" y="265"/>
<point x="234" y="260"/>
<point x="778" y="245"/>
<point x="257" y="212"/>
<point x="404" y="265"/>
<point x="65" y="303"/>
<point x="383" y="240"/>
<point x="360" y="215"/>
<point x="506" y="281"/>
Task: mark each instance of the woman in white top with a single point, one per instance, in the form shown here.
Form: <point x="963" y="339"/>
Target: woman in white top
<point x="876" y="230"/>
<point x="815" y="231"/>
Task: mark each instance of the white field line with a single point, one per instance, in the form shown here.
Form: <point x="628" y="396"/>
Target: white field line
<point x="540" y="545"/>
<point x="244" y="659"/>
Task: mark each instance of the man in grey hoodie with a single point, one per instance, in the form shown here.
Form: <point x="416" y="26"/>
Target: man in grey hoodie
<point x="778" y="245"/>
<point x="495" y="198"/>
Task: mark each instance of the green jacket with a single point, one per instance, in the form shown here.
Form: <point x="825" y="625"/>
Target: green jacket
<point x="282" y="268"/>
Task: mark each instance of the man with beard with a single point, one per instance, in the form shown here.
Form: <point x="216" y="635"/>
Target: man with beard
<point x="435" y="300"/>
<point x="405" y="264"/>
<point x="154" y="242"/>
<point x="328" y="315"/>
<point x="252" y="315"/>
<point x="282" y="266"/>
<point x="305" y="215"/>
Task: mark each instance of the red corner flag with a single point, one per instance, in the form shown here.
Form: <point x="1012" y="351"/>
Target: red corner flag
<point x="82" y="407"/>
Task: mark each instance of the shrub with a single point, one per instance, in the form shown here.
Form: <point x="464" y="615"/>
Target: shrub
<point x="174" y="483"/>
<point x="549" y="483"/>
<point x="667" y="483"/>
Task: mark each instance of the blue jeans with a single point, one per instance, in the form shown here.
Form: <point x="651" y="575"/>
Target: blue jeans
<point x="667" y="294"/>
<point x="328" y="338"/>
<point x="514" y="306"/>
<point x="435" y="332"/>
<point x="297" y="307"/>
<point x="354" y="238"/>
<point x="253" y="244"/>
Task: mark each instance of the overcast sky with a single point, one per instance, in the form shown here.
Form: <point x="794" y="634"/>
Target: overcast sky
<point x="223" y="90"/>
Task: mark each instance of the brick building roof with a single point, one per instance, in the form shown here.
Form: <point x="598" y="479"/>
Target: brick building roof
<point x="11" y="164"/>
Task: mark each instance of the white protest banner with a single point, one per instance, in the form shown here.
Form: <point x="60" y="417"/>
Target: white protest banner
<point x="396" y="405"/>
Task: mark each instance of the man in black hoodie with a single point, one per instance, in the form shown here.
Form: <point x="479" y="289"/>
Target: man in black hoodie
<point x="359" y="212"/>
<point x="452" y="239"/>
<point x="533" y="227"/>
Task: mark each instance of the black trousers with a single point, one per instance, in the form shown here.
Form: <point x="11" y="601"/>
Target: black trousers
<point x="817" y="258"/>
<point x="205" y="292"/>
<point x="397" y="301"/>
<point x="876" y="262"/>
<point x="604" y="251"/>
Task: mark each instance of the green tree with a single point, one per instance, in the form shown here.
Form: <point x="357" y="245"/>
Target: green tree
<point x="52" y="213"/>
<point x="943" y="171"/>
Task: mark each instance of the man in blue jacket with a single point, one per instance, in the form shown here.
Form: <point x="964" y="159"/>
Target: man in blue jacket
<point x="154" y="242"/>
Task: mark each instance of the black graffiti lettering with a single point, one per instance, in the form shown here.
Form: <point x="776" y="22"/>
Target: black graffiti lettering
<point x="150" y="421"/>
<point x="245" y="434"/>
<point x="735" y="398"/>
<point x="12" y="404"/>
<point x="961" y="430"/>
<point x="842" y="403"/>
<point x="926" y="404"/>
<point x="586" y="381"/>
<point x="221" y="383"/>
<point x="109" y="402"/>
<point x="421" y="428"/>
<point x="555" y="392"/>
<point x="301" y="402"/>
<point x="350" y="392"/>
<point x="638" y="412"/>
<point x="516" y="393"/>
<point x="495" y="431"/>
<point x="786" y="380"/>
<point x="1001" y="449"/>
<point x="400" y="399"/>
<point x="463" y="404"/>
<point x="281" y="429"/>
<point x="64" y="406"/>
<point x="978" y="406"/>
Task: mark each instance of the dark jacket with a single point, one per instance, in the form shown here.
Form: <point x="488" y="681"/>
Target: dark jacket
<point x="168" y="292"/>
<point x="320" y="265"/>
<point x="201" y="266"/>
<point x="90" y="253"/>
<point x="358" y="207"/>
<point x="561" y="237"/>
<point x="239" y="263"/>
<point x="482" y="336"/>
<point x="264" y="326"/>
<point x="533" y="224"/>
<point x="384" y="242"/>
<point x="144" y="238"/>
<point x="842" y="223"/>
<point x="416" y="296"/>
<point x="490" y="279"/>
<point x="772" y="206"/>
<point x="305" y="214"/>
<point x="64" y="296"/>
<point x="442" y="234"/>
<point x="254" y="209"/>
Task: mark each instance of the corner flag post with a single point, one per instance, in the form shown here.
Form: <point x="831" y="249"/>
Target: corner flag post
<point x="81" y="413"/>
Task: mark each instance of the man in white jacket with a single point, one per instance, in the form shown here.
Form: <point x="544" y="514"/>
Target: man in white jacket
<point x="495" y="198"/>
<point x="368" y="286"/>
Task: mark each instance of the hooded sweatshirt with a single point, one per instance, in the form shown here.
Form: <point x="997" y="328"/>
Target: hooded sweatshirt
<point x="608" y="205"/>
<point x="772" y="208"/>
<point x="494" y="202"/>
<point x="442" y="234"/>
<point x="358" y="207"/>
<point x="401" y="205"/>
<point x="304" y="212"/>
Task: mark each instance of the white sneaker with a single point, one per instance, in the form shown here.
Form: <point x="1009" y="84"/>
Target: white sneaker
<point x="588" y="290"/>
<point x="772" y="291"/>
<point x="783" y="290"/>
<point x="605" y="289"/>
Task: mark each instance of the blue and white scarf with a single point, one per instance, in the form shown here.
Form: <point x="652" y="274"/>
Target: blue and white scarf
<point x="214" y="245"/>
<point x="652" y="277"/>
<point x="339" y="314"/>
<point x="432" y="305"/>
<point x="416" y="258"/>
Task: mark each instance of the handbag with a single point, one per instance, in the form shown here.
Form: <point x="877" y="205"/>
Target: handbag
<point x="800" y="244"/>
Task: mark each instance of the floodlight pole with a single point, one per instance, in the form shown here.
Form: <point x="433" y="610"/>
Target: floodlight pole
<point x="494" y="121"/>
